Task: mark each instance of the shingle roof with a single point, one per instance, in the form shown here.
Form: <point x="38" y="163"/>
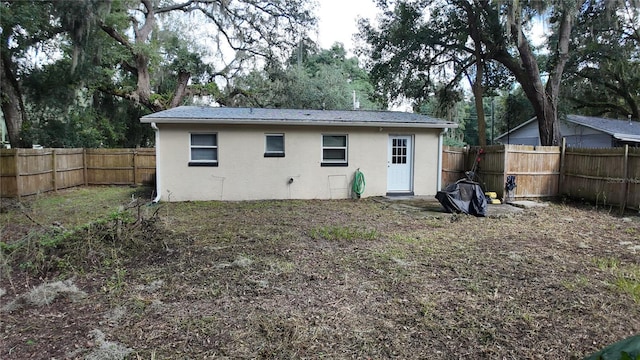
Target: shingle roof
<point x="227" y="115"/>
<point x="620" y="129"/>
<point x="609" y="126"/>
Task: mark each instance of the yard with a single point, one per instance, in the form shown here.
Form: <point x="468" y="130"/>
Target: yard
<point x="310" y="279"/>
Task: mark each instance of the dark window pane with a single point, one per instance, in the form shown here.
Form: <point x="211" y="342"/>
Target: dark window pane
<point x="210" y="154"/>
<point x="203" y="140"/>
<point x="334" y="140"/>
<point x="334" y="154"/>
<point x="275" y="143"/>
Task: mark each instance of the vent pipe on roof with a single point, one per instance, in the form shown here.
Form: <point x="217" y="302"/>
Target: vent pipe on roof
<point x="356" y="103"/>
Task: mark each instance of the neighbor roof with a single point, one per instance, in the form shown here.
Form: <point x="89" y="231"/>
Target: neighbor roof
<point x="227" y="115"/>
<point x="620" y="129"/>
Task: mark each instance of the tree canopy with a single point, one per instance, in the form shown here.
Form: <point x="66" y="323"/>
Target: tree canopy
<point x="81" y="73"/>
<point x="312" y="78"/>
<point x="418" y="44"/>
<point x="604" y="70"/>
<point x="133" y="54"/>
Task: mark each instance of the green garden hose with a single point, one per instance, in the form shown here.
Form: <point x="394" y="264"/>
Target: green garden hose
<point x="358" y="183"/>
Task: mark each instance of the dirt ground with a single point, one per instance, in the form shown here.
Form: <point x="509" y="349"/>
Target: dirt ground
<point x="368" y="278"/>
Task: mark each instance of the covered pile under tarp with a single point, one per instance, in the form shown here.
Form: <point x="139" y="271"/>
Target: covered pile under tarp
<point x="463" y="196"/>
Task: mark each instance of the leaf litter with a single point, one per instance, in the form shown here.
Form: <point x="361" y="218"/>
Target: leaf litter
<point x="336" y="279"/>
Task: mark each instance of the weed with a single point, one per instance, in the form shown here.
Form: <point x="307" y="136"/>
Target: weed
<point x="627" y="276"/>
<point x="406" y="239"/>
<point x="629" y="286"/>
<point x="605" y="264"/>
<point x="119" y="234"/>
<point x="580" y="281"/>
<point x="395" y="254"/>
<point x="426" y="308"/>
<point x="343" y="233"/>
<point x="281" y="267"/>
<point x="116" y="283"/>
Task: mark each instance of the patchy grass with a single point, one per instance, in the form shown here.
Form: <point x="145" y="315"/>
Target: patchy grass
<point x="310" y="279"/>
<point x="343" y="233"/>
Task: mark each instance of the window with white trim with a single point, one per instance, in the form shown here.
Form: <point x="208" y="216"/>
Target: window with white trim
<point x="334" y="150"/>
<point x="274" y="145"/>
<point x="203" y="149"/>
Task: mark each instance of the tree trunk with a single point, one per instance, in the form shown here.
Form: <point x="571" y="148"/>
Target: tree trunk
<point x="478" y="93"/>
<point x="12" y="104"/>
<point x="544" y="99"/>
<point x="477" y="86"/>
<point x="552" y="134"/>
<point x="181" y="89"/>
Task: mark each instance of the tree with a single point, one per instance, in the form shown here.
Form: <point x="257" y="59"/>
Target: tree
<point x="604" y="70"/>
<point x="517" y="110"/>
<point x="410" y="56"/>
<point x="128" y="49"/>
<point x="311" y="78"/>
<point x="25" y="27"/>
<point x="497" y="32"/>
<point x="245" y="27"/>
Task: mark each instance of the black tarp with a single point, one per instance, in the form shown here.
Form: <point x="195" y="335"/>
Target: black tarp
<point x="463" y="196"/>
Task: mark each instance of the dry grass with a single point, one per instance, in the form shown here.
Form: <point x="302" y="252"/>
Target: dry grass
<point x="348" y="279"/>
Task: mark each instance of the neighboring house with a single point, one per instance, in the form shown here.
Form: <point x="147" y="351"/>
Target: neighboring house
<point x="579" y="131"/>
<point x="209" y="153"/>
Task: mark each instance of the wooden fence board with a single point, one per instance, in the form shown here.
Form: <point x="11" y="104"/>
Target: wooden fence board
<point x="606" y="176"/>
<point x="69" y="168"/>
<point x="453" y="164"/>
<point x="32" y="171"/>
<point x="489" y="168"/>
<point x="537" y="170"/>
<point x="8" y="173"/>
<point x="596" y="175"/>
<point x="633" y="179"/>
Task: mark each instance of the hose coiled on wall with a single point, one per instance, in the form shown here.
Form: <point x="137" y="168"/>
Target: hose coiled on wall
<point x="358" y="183"/>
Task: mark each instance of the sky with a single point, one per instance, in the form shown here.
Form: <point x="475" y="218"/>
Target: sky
<point x="337" y="20"/>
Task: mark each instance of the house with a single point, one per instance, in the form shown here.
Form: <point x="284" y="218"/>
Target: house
<point x="220" y="153"/>
<point x="579" y="131"/>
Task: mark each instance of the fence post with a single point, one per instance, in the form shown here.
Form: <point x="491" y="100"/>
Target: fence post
<point x="84" y="166"/>
<point x="505" y="167"/>
<point x="562" y="166"/>
<point x="54" y="170"/>
<point x="135" y="166"/>
<point x="18" y="170"/>
<point x="625" y="180"/>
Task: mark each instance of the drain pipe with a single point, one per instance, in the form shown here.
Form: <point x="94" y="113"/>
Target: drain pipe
<point x="440" y="143"/>
<point x="158" y="193"/>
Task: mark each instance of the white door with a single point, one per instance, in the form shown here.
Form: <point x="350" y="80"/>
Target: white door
<point x="399" y="163"/>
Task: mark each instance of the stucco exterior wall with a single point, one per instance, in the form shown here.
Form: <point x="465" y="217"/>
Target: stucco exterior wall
<point x="243" y="173"/>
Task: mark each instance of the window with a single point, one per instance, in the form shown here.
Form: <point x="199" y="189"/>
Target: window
<point x="334" y="150"/>
<point x="204" y="150"/>
<point x="399" y="151"/>
<point x="274" y="145"/>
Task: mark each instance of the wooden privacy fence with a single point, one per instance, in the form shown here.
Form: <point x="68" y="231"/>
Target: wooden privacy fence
<point x="31" y="171"/>
<point x="605" y="176"/>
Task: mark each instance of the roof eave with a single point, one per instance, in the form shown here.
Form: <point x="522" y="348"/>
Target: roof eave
<point x="345" y="123"/>
<point x="627" y="137"/>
